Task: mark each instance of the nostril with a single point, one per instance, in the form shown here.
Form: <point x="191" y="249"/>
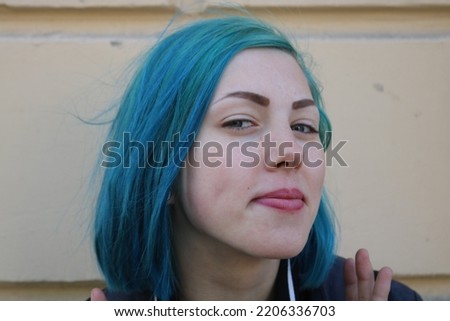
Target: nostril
<point x="292" y="161"/>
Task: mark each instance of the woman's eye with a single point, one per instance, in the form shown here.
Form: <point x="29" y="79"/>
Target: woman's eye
<point x="238" y="124"/>
<point x="304" y="128"/>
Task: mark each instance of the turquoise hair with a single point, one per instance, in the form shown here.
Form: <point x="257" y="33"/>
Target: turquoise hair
<point x="166" y="102"/>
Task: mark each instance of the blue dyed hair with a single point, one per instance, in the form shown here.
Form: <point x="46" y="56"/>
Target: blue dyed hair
<point x="166" y="102"/>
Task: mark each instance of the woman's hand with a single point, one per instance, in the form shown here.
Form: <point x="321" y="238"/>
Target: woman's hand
<point x="97" y="295"/>
<point x="360" y="281"/>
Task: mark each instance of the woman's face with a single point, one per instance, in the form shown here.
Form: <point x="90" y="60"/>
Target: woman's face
<point x="254" y="177"/>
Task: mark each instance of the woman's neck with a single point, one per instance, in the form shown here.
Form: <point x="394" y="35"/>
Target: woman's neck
<point x="204" y="277"/>
<point x="237" y="281"/>
<point x="213" y="271"/>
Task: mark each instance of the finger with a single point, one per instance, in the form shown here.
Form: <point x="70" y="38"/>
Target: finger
<point x="364" y="272"/>
<point x="351" y="281"/>
<point x="382" y="285"/>
<point x="97" y="295"/>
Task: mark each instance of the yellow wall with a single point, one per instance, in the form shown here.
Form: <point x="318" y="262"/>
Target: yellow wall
<point x="385" y="69"/>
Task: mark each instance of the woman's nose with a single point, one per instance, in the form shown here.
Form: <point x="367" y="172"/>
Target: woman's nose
<point x="282" y="149"/>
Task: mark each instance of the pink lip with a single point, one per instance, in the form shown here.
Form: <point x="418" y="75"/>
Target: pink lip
<point x="282" y="199"/>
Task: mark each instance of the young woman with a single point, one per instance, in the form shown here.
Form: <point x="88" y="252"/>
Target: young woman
<point x="218" y="193"/>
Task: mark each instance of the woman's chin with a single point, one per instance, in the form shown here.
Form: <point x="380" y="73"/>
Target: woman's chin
<point x="279" y="251"/>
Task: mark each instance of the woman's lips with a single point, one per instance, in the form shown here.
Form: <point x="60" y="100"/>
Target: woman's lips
<point x="282" y="199"/>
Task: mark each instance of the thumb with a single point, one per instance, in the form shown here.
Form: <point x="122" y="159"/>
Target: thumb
<point x="97" y="295"/>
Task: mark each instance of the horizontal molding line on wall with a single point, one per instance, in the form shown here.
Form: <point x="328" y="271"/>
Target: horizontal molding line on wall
<point x="52" y="38"/>
<point x="30" y="4"/>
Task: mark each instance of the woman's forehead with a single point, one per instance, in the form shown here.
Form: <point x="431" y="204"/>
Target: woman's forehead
<point x="263" y="71"/>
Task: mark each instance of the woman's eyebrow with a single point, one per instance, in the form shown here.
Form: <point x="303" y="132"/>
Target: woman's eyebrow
<point x="264" y="101"/>
<point x="256" y="98"/>
<point x="303" y="103"/>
